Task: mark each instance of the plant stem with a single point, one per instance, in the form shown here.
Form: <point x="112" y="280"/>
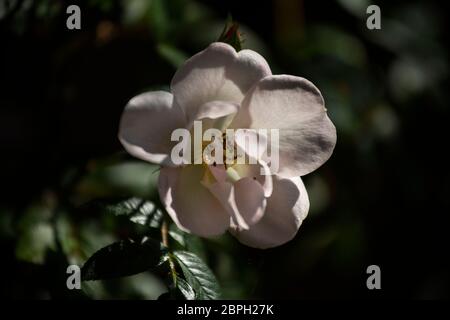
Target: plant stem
<point x="164" y="233"/>
<point x="165" y="241"/>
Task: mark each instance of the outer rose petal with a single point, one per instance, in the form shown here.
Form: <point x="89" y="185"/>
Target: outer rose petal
<point x="295" y="107"/>
<point x="286" y="209"/>
<point x="147" y="124"/>
<point x="250" y="200"/>
<point x="217" y="73"/>
<point x="191" y="205"/>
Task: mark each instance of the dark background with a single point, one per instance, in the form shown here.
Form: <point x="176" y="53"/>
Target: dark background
<point x="382" y="198"/>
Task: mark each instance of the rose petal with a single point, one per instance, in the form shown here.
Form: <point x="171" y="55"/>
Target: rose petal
<point x="259" y="172"/>
<point x="216" y="114"/>
<point x="190" y="204"/>
<point x="251" y="142"/>
<point x="294" y="106"/>
<point x="250" y="200"/>
<point x="147" y="124"/>
<point x="217" y="73"/>
<point x="285" y="211"/>
<point x="244" y="200"/>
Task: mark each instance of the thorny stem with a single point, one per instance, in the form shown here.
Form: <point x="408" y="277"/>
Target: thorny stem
<point x="165" y="241"/>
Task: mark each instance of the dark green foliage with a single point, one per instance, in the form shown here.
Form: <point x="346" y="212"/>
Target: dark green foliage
<point x="198" y="275"/>
<point x="120" y="259"/>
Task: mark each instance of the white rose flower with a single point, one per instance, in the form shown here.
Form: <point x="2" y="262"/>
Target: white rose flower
<point x="228" y="89"/>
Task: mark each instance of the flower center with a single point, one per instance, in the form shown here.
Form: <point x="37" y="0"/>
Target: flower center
<point x="226" y="145"/>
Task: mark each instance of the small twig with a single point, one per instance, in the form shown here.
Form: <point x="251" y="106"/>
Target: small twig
<point x="165" y="241"/>
<point x="164" y="233"/>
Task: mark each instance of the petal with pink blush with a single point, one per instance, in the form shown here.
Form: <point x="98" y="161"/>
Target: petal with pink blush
<point x="216" y="114"/>
<point x="244" y="200"/>
<point x="189" y="203"/>
<point x="147" y="124"/>
<point x="259" y="172"/>
<point x="285" y="211"/>
<point x="217" y="73"/>
<point x="295" y="107"/>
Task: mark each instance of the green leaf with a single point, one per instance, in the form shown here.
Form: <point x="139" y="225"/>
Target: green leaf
<point x="138" y="210"/>
<point x="33" y="245"/>
<point x="177" y="235"/>
<point x="198" y="275"/>
<point x="188" y="241"/>
<point x="123" y="258"/>
<point x="116" y="178"/>
<point x="159" y="19"/>
<point x="171" y="54"/>
<point x="185" y="289"/>
<point x="66" y="236"/>
<point x="35" y="234"/>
